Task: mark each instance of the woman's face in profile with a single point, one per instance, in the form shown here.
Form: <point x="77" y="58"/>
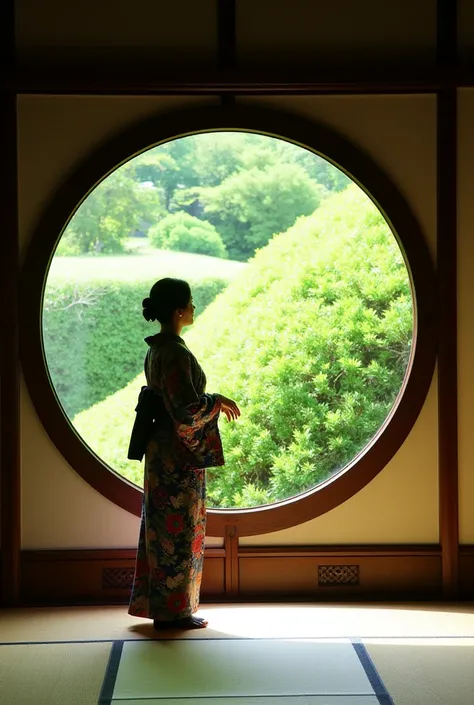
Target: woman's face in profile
<point x="188" y="313"/>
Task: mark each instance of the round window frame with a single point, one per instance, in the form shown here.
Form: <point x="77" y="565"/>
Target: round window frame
<point x="321" y="140"/>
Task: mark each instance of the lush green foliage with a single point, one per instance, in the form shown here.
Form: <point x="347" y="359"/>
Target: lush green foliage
<point x="106" y="428"/>
<point x="186" y="233"/>
<point x="115" y="208"/>
<point x="170" y="167"/>
<point x="93" y="336"/>
<point x="312" y="341"/>
<point x="313" y="345"/>
<point x="317" y="168"/>
<point x="198" y="174"/>
<point x="249" y="207"/>
<point x="210" y="158"/>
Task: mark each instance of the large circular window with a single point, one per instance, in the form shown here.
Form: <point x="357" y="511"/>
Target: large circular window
<point x="308" y="294"/>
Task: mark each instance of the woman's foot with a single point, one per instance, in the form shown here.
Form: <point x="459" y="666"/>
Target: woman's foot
<point x="186" y="623"/>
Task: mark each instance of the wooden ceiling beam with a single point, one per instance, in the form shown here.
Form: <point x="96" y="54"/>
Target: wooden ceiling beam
<point x="162" y="80"/>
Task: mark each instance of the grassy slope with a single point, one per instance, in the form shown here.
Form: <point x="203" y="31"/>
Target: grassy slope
<point x="145" y="264"/>
<point x="111" y="437"/>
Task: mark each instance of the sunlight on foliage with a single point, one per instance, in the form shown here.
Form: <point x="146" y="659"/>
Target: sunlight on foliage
<point x="183" y="232"/>
<point x="312" y="340"/>
<point x="313" y="343"/>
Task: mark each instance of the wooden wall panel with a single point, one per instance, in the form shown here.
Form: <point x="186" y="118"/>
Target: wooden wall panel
<point x="213" y="582"/>
<point x="285" y="574"/>
<point x="102" y="576"/>
<point x="83" y="32"/>
<point x="320" y="575"/>
<point x="341" y="32"/>
<point x="105" y="576"/>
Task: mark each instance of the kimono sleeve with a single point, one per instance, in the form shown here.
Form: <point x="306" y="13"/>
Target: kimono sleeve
<point x="194" y="416"/>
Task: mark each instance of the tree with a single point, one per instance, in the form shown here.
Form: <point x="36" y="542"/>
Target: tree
<point x="317" y="168"/>
<point x="109" y="214"/>
<point x="183" y="166"/>
<point x="170" y="166"/>
<point x="248" y="185"/>
<point x="249" y="207"/>
<point x="219" y="155"/>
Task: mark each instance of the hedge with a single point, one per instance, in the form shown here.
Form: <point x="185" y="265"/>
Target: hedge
<point x="312" y="341"/>
<point x="185" y="233"/>
<point x="93" y="336"/>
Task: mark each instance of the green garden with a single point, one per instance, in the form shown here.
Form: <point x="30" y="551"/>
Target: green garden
<point x="303" y="301"/>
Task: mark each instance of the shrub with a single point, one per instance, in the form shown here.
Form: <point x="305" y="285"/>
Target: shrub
<point x="93" y="336"/>
<point x="185" y="233"/>
<point x="250" y="206"/>
<point x="312" y="341"/>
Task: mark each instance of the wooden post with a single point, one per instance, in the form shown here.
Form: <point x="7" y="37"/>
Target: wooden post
<point x="9" y="349"/>
<point x="447" y="303"/>
<point x="231" y="545"/>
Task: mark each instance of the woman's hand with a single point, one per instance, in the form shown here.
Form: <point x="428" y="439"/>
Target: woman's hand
<point x="229" y="407"/>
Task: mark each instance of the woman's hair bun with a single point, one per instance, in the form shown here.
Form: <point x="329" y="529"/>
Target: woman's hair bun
<point x="166" y="295"/>
<point x="149" y="312"/>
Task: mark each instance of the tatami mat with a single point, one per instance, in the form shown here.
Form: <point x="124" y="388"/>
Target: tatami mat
<point x="247" y="621"/>
<point x="426" y="671"/>
<point x="254" y="654"/>
<point x="52" y="674"/>
<point x="238" y="668"/>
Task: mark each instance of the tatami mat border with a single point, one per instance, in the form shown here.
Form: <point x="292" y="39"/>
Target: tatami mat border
<point x="371" y="672"/>
<point x="108" y="685"/>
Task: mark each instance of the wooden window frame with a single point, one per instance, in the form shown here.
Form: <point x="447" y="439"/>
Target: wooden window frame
<point x="343" y="154"/>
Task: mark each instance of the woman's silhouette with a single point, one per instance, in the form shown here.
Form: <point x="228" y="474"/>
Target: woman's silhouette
<point x="185" y="440"/>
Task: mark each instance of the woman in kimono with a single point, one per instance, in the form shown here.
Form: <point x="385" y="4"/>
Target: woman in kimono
<point x="185" y="441"/>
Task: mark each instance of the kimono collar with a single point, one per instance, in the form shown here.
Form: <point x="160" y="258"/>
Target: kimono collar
<point x="163" y="338"/>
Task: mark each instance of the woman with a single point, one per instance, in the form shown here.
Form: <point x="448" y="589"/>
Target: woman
<point x="185" y="441"/>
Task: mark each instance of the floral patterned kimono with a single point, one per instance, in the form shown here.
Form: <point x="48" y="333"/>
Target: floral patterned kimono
<point x="186" y="440"/>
